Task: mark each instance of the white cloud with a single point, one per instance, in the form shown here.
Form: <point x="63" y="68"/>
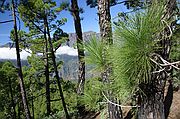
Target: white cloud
<point x="67" y="50"/>
<point x="7" y="53"/>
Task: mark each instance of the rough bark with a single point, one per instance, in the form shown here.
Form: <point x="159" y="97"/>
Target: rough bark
<point x="56" y="70"/>
<point x="105" y="21"/>
<point x="152" y="106"/>
<point x="80" y="47"/>
<point x="20" y="74"/>
<point x="106" y="36"/>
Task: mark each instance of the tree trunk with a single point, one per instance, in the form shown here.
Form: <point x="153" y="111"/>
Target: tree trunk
<point x="106" y="36"/>
<point x="152" y="107"/>
<point x="56" y="70"/>
<point x="80" y="47"/>
<point x="105" y="21"/>
<point x="48" y="103"/>
<point x="151" y="104"/>
<point x="20" y="75"/>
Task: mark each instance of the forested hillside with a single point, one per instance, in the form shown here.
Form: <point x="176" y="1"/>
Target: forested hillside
<point x="129" y="70"/>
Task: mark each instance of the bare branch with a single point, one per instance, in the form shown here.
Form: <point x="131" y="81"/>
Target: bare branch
<point x="158" y="71"/>
<point x="108" y="101"/>
<point x="2" y="22"/>
<point x="169" y="28"/>
<point x="166" y="63"/>
<point x="3" y="3"/>
<point x="37" y="27"/>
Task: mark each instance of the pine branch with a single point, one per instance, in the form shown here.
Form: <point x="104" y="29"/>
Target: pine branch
<point x="2" y="22"/>
<point x="3" y="3"/>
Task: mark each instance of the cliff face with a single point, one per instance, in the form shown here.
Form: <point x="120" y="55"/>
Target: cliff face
<point x="86" y="37"/>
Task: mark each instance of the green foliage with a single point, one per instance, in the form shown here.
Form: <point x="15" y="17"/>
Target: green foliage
<point x="135" y="40"/>
<point x="175" y="54"/>
<point x="175" y="50"/>
<point x="103" y="114"/>
<point x="92" y="97"/>
<point x="94" y="49"/>
<point x="63" y="6"/>
<point x="69" y="90"/>
<point x="57" y="115"/>
<point x="59" y="37"/>
<point x="8" y="88"/>
<point x="23" y="38"/>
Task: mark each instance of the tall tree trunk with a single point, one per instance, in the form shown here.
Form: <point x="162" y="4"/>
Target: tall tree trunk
<point x="153" y="106"/>
<point x="20" y="75"/>
<point x="12" y="99"/>
<point x="106" y="36"/>
<point x="80" y="47"/>
<point x="56" y="70"/>
<point x="48" y="103"/>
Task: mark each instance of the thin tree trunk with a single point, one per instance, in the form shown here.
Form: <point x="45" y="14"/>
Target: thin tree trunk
<point x="20" y="75"/>
<point x="48" y="103"/>
<point x="80" y="47"/>
<point x="106" y="36"/>
<point x="56" y="70"/>
<point x="12" y="100"/>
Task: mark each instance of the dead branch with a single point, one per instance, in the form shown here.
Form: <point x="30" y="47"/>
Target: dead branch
<point x="108" y="101"/>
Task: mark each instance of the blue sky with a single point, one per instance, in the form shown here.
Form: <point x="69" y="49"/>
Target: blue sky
<point x="89" y="22"/>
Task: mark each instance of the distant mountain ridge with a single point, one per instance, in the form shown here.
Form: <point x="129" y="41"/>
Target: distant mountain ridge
<point x="86" y="37"/>
<point x="7" y="45"/>
<point x="72" y="39"/>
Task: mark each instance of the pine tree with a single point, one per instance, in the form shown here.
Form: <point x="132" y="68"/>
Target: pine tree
<point x="44" y="14"/>
<point x="20" y="74"/>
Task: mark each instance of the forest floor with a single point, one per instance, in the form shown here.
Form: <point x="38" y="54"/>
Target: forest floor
<point x="175" y="107"/>
<point x="174" y="110"/>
